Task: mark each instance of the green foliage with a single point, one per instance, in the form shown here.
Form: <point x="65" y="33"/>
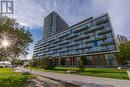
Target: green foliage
<point x="9" y="78"/>
<point x="48" y="63"/>
<point x="81" y="65"/>
<point x="35" y="62"/>
<point x="125" y="52"/>
<point x="17" y="62"/>
<point x="18" y="37"/>
<point x="97" y="72"/>
<point x="62" y="61"/>
<point x="81" y="68"/>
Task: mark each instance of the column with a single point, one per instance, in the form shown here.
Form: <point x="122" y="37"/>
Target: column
<point x="59" y="61"/>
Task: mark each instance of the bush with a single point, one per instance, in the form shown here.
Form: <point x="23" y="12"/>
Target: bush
<point x="48" y="63"/>
<point x="81" y="68"/>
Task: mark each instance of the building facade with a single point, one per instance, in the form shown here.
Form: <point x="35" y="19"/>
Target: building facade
<point x="53" y="24"/>
<point x="92" y="39"/>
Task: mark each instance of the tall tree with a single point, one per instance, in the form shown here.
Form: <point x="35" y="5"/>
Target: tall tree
<point x="125" y="52"/>
<point x="14" y="40"/>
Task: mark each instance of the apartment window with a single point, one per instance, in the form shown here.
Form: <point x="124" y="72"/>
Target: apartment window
<point x="95" y="43"/>
<point x="71" y="32"/>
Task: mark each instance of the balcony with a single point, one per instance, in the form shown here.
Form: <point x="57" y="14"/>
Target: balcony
<point x="81" y="29"/>
<point x="82" y="37"/>
<point x="83" y="47"/>
<point x="64" y="35"/>
<point x="51" y="40"/>
<point x="96" y="28"/>
<point x="108" y="43"/>
<point x="101" y="38"/>
<point x="56" y="41"/>
<point x="104" y="32"/>
<point x="71" y="36"/>
<point x="52" y="46"/>
<point x="72" y="44"/>
<point x="63" y="42"/>
<point x="47" y="44"/>
<point x="89" y="41"/>
<point x="65" y="50"/>
<point x="57" y="48"/>
<point x="102" y="21"/>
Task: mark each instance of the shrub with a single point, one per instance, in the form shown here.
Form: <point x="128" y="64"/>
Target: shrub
<point x="81" y="68"/>
<point x="48" y="63"/>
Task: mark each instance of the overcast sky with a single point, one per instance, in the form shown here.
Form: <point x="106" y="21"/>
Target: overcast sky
<point x="31" y="13"/>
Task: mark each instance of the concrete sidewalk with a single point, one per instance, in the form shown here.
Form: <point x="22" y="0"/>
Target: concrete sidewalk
<point x="85" y="81"/>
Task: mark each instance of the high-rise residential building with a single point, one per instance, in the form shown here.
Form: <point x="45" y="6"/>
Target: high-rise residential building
<point x="93" y="39"/>
<point x="53" y="24"/>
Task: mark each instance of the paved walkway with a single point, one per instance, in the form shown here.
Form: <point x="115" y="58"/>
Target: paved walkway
<point x="85" y="81"/>
<point x="45" y="82"/>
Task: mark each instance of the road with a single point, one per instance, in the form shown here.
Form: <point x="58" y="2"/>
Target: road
<point x="84" y="81"/>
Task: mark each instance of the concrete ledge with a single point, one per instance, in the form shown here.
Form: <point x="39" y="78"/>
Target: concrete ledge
<point x="128" y="72"/>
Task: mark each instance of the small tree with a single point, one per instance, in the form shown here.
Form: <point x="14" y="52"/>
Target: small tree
<point x="48" y="63"/>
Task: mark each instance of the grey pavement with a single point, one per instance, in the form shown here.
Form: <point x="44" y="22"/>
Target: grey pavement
<point x="84" y="81"/>
<point x="45" y="82"/>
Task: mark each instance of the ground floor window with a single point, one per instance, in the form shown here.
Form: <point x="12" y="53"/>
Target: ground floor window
<point x="102" y="59"/>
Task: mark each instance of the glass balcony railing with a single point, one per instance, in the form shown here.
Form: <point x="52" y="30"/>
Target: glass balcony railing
<point x="96" y="28"/>
<point x="71" y="36"/>
<point x="72" y="44"/>
<point x="104" y="32"/>
<point x="108" y="43"/>
<point x="81" y="29"/>
<point x="100" y="38"/>
<point x="84" y="36"/>
<point x="102" y="20"/>
<point x="63" y="42"/>
<point x="51" y="40"/>
<point x="83" y="47"/>
<point x="56" y="41"/>
<point x="64" y="35"/>
<point x="89" y="41"/>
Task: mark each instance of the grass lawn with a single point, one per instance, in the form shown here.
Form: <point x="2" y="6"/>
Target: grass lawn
<point x="9" y="78"/>
<point x="97" y="72"/>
